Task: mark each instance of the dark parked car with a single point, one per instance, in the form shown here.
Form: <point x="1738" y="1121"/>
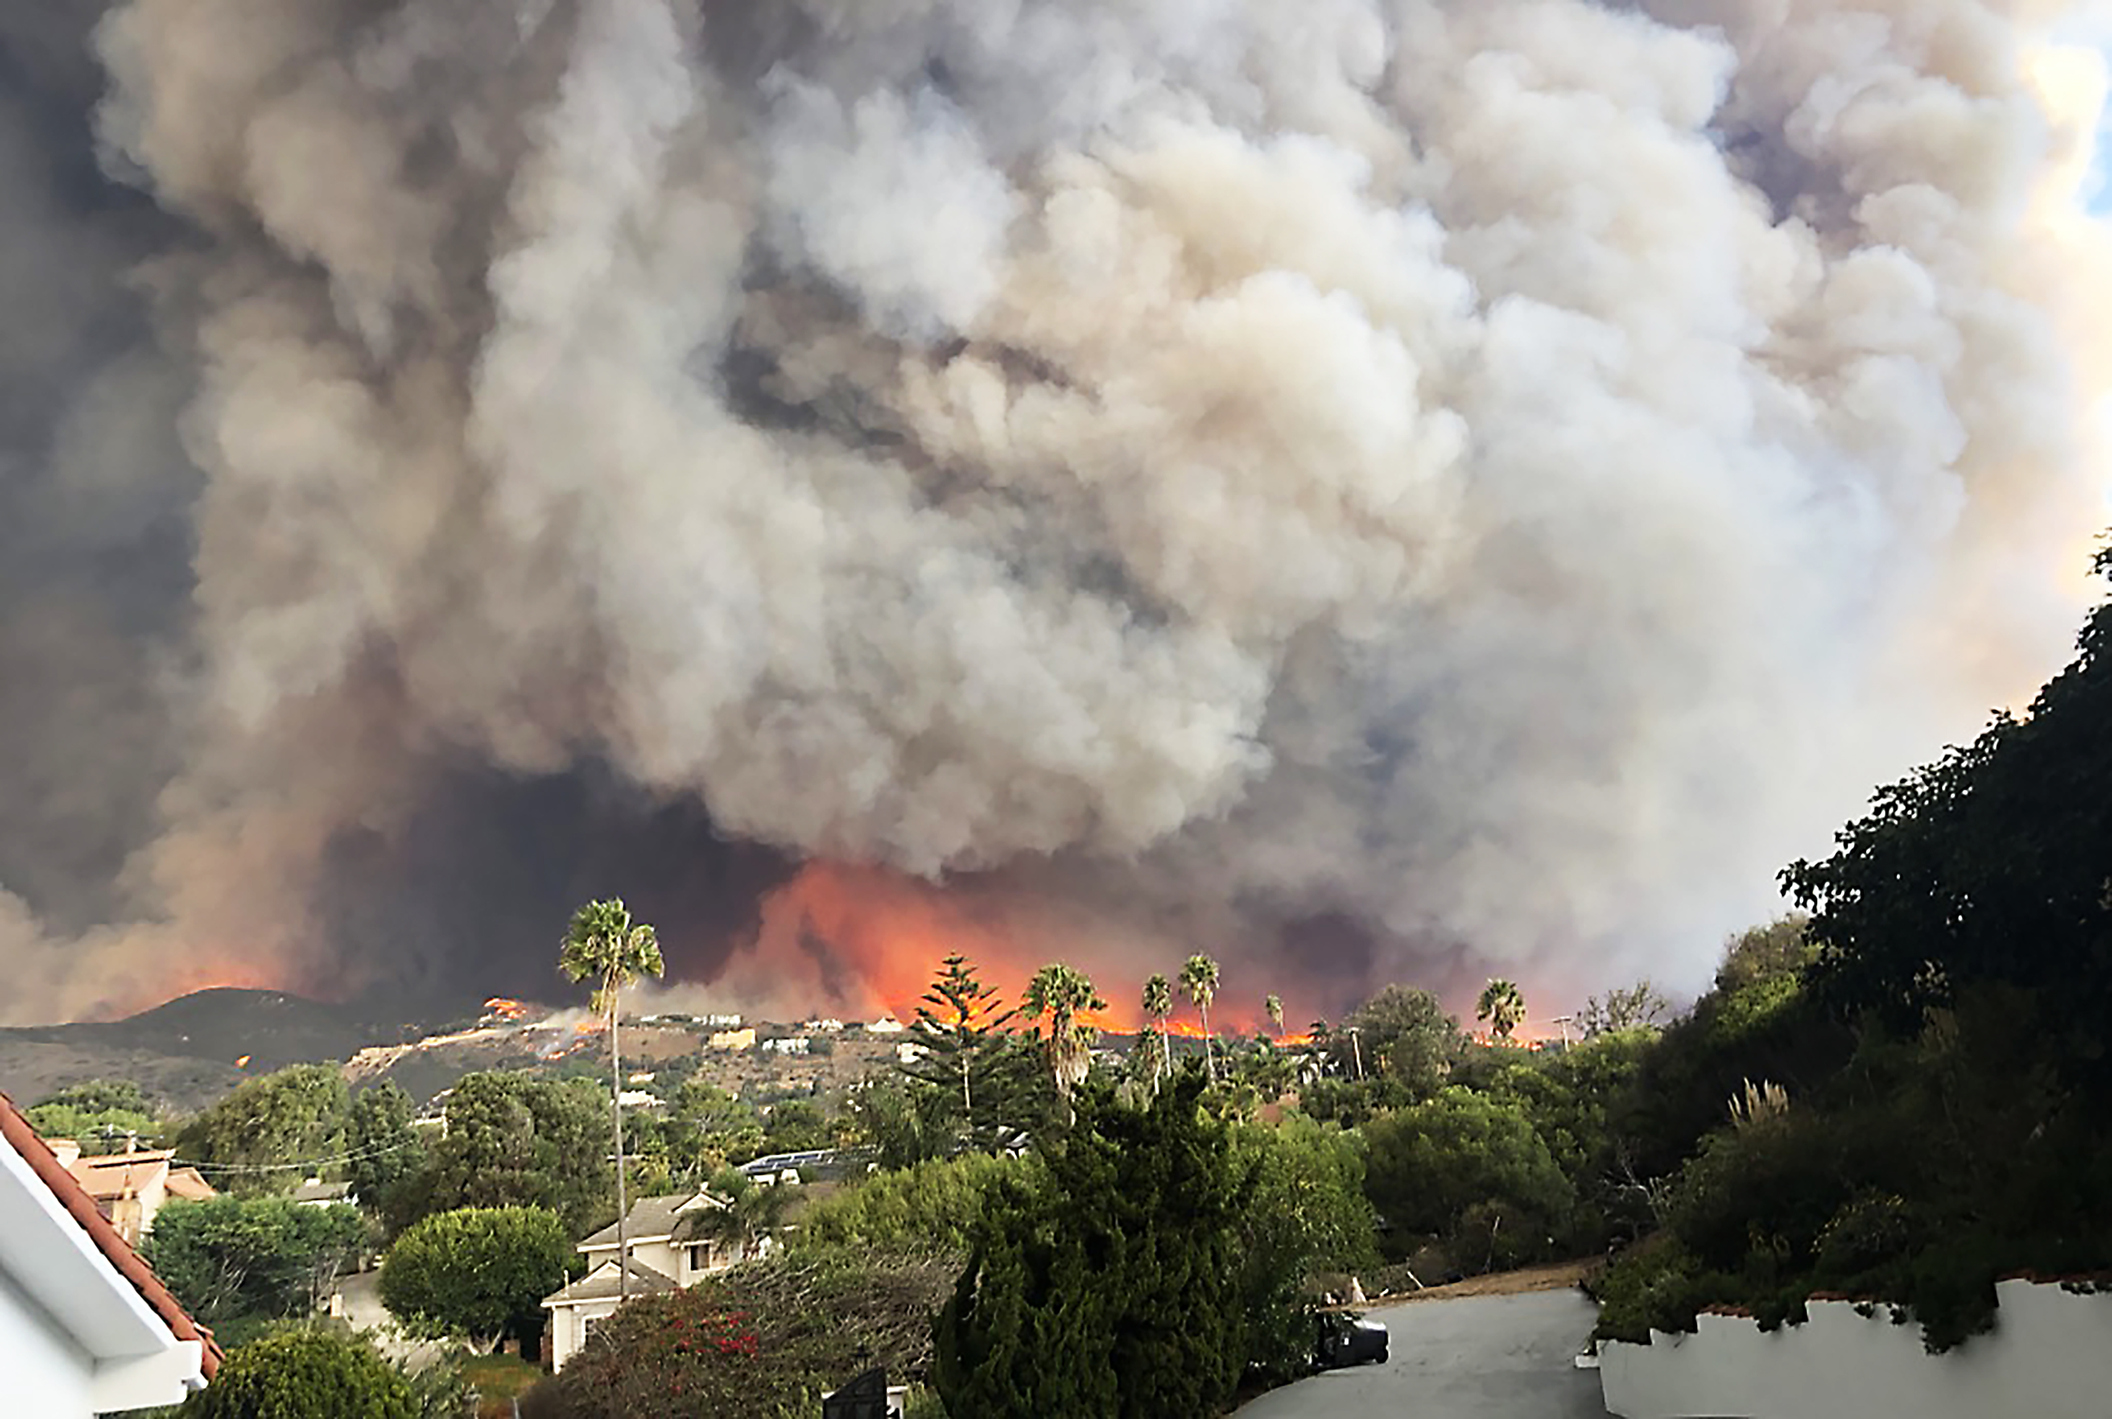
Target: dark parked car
<point x="1347" y="1340"/>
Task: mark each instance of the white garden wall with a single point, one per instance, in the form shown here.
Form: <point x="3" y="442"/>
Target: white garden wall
<point x="2049" y="1357"/>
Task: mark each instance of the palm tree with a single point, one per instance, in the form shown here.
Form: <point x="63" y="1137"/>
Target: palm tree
<point x="1503" y="1006"/>
<point x="1199" y="980"/>
<point x="749" y="1210"/>
<point x="1158" y="1004"/>
<point x="1059" y="992"/>
<point x="605" y="946"/>
<point x="1273" y="1006"/>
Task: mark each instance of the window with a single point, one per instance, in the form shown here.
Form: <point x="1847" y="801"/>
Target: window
<point x="699" y="1256"/>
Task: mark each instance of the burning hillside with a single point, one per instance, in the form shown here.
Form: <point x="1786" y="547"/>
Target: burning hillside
<point x="1368" y="489"/>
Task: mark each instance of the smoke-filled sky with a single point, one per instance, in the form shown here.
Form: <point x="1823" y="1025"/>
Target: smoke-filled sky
<point x="1373" y="489"/>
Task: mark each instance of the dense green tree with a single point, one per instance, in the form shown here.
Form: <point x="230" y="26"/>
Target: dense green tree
<point x="102" y="1096"/>
<point x="605" y="946"/>
<point x="1472" y="1172"/>
<point x="304" y="1372"/>
<point x="1772" y="951"/>
<point x="478" y="1272"/>
<point x="1503" y="1006"/>
<point x="903" y="1123"/>
<point x="101" y="1115"/>
<point x="271" y="1132"/>
<point x="1988" y="866"/>
<point x="1112" y="1288"/>
<point x="239" y="1262"/>
<point x="1634" y="1007"/>
<point x="514" y="1140"/>
<point x="384" y="1154"/>
<point x="795" y="1126"/>
<point x="1304" y="1211"/>
<point x="703" y="1130"/>
<point x="932" y="1207"/>
<point x="1405" y="1036"/>
<point x="1199" y="976"/>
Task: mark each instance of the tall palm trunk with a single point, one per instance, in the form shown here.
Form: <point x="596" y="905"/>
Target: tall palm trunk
<point x="623" y="1250"/>
<point x="1209" y="1062"/>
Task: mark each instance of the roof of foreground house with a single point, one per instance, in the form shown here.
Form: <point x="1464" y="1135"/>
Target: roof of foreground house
<point x="600" y="1284"/>
<point x="15" y="1130"/>
<point x="675" y="1218"/>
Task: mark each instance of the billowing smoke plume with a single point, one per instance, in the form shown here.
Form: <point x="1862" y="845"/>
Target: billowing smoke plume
<point x="1378" y="487"/>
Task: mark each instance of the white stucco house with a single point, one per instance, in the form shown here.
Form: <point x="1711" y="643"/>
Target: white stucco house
<point x="85" y="1326"/>
<point x="668" y="1251"/>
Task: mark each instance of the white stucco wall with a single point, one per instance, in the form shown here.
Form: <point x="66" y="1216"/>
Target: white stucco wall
<point x="2049" y="1357"/>
<point x="46" y="1372"/>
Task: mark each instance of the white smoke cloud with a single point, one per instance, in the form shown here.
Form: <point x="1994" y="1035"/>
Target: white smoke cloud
<point x="1508" y="474"/>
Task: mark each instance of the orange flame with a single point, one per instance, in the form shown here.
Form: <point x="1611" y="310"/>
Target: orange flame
<point x="242" y="1062"/>
<point x="894" y="931"/>
<point x="502" y="1008"/>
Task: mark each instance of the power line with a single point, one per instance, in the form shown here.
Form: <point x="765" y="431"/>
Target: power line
<point x="307" y="1164"/>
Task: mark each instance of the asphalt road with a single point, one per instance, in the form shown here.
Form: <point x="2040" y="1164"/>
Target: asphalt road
<point x="1479" y="1357"/>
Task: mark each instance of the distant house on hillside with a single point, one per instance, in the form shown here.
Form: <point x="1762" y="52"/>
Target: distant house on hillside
<point x="733" y="1039"/>
<point x="131" y="1188"/>
<point x="85" y="1326"/>
<point x="314" y="1192"/>
<point x="669" y="1248"/>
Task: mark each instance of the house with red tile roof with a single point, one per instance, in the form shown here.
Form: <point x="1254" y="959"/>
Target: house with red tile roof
<point x="86" y="1328"/>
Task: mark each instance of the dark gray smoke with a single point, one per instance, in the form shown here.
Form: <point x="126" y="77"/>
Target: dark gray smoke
<point x="1384" y="488"/>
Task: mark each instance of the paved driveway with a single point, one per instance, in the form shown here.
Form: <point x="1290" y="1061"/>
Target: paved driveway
<point x="1479" y="1357"/>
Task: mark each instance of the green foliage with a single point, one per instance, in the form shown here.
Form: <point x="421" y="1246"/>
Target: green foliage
<point x="1635" y="1007"/>
<point x="243" y="1143"/>
<point x="96" y="1130"/>
<point x="765" y="1339"/>
<point x="795" y="1126"/>
<point x="1403" y="1036"/>
<point x="304" y="1372"/>
<point x="1987" y="867"/>
<point x="477" y="1272"/>
<point x="102" y="1096"/>
<point x="1765" y="1026"/>
<point x="385" y="1154"/>
<point x="1471" y="1171"/>
<point x="604" y="945"/>
<point x="933" y="1207"/>
<point x="1057" y="994"/>
<point x="99" y="1114"/>
<point x="1303" y="1211"/>
<point x="962" y="1026"/>
<point x="1776" y="950"/>
<point x="905" y="1122"/>
<point x="1110" y="1289"/>
<point x="517" y="1141"/>
<point x="238" y="1262"/>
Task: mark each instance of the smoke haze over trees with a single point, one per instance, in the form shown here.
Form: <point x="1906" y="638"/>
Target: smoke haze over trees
<point x="1394" y="488"/>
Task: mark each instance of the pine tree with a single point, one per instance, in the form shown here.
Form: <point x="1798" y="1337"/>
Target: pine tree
<point x="969" y="1054"/>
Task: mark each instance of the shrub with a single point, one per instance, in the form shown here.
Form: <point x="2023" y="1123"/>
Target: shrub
<point x="1471" y="1171"/>
<point x="762" y="1339"/>
<point x="304" y="1373"/>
